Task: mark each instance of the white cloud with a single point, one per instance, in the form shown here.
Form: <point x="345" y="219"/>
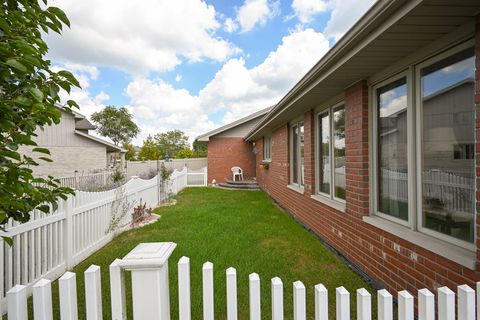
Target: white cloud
<point x="178" y="77"/>
<point x="242" y="91"/>
<point x="230" y="25"/>
<point x="101" y="97"/>
<point x="139" y="37"/>
<point x="345" y="13"/>
<point x="157" y="107"/>
<point x="256" y="12"/>
<point x="305" y="10"/>
<point x="236" y="90"/>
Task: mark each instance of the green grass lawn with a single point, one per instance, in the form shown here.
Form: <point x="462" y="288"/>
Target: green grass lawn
<point x="231" y="228"/>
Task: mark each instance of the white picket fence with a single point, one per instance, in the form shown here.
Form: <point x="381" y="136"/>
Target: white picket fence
<point x="457" y="191"/>
<point x="150" y="295"/>
<point x="49" y="244"/>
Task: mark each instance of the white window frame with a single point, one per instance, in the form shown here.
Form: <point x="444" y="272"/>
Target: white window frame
<point x="267" y="149"/>
<point x="410" y="162"/>
<point x="297" y="123"/>
<point x="414" y="147"/>
<point x="419" y="148"/>
<point x="329" y="111"/>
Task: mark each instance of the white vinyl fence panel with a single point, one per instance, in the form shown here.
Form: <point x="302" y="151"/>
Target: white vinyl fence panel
<point x="49" y="244"/>
<point x="150" y="298"/>
<point x="457" y="190"/>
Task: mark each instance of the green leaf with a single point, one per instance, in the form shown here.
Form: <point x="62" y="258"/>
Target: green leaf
<point x="45" y="159"/>
<point x="41" y="150"/>
<point x="10" y="154"/>
<point x="60" y="15"/>
<point x="4" y="25"/>
<point x="8" y="240"/>
<point x="17" y="65"/>
<point x="36" y="94"/>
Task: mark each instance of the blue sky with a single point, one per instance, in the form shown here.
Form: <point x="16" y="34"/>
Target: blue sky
<point x="194" y="65"/>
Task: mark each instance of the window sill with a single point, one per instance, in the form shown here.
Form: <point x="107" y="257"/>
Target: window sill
<point x="296" y="188"/>
<point x="329" y="202"/>
<point x="266" y="161"/>
<point x="447" y="250"/>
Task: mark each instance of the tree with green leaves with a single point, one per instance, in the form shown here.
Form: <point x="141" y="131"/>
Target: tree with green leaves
<point x="171" y="142"/>
<point x="185" y="153"/>
<point x="29" y="97"/>
<point x="148" y="151"/>
<point x="200" y="149"/>
<point x="130" y="154"/>
<point x="116" y="124"/>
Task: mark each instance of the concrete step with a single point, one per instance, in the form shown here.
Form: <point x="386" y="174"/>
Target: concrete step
<point x="241" y="183"/>
<point x="252" y="187"/>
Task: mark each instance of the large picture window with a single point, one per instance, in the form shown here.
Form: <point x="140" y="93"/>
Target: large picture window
<point x="297" y="149"/>
<point x="424" y="147"/>
<point x="447" y="146"/>
<point x="331" y="152"/>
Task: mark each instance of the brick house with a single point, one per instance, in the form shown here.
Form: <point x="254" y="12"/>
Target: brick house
<point x="227" y="148"/>
<point x="374" y="149"/>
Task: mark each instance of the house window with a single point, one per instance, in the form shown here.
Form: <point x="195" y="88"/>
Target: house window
<point x="448" y="127"/>
<point x="424" y="150"/>
<point x="297" y="146"/>
<point x="392" y="149"/>
<point x="267" y="148"/>
<point x="331" y="152"/>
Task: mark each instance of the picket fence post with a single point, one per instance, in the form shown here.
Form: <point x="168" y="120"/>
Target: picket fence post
<point x="364" y="305"/>
<point x="42" y="300"/>
<point x="254" y="296"/>
<point x="93" y="293"/>
<point x="231" y="294"/>
<point x="184" y="303"/>
<point x="385" y="305"/>
<point x="446" y="304"/>
<point x="343" y="304"/>
<point x="17" y="303"/>
<point x="466" y="303"/>
<point x="321" y="302"/>
<point x="207" y="283"/>
<point x="148" y="263"/>
<point x="426" y="305"/>
<point x="299" y="301"/>
<point x="68" y="233"/>
<point x="67" y="288"/>
<point x="277" y="299"/>
<point x="405" y="305"/>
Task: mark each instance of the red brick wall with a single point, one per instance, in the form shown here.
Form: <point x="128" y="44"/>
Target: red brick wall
<point x="225" y="153"/>
<point x="389" y="261"/>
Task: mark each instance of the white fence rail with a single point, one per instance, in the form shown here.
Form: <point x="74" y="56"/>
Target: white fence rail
<point x="136" y="168"/>
<point x="150" y="285"/>
<point x="49" y="244"/>
<point x="89" y="182"/>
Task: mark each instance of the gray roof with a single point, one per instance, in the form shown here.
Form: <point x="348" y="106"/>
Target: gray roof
<point x="84" y="124"/>
<point x="206" y="136"/>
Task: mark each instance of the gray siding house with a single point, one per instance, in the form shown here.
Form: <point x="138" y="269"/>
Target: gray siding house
<point x="73" y="150"/>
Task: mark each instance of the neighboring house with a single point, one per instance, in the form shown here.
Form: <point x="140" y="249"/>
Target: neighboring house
<point x="227" y="148"/>
<point x="73" y="149"/>
<point x="374" y="149"/>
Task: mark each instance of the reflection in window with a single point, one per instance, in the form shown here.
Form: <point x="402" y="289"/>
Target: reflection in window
<point x="324" y="153"/>
<point x="295" y="154"/>
<point x="448" y="137"/>
<point x="392" y="149"/>
<point x="339" y="151"/>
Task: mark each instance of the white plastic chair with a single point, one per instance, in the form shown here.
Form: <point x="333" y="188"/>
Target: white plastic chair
<point x="237" y="171"/>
